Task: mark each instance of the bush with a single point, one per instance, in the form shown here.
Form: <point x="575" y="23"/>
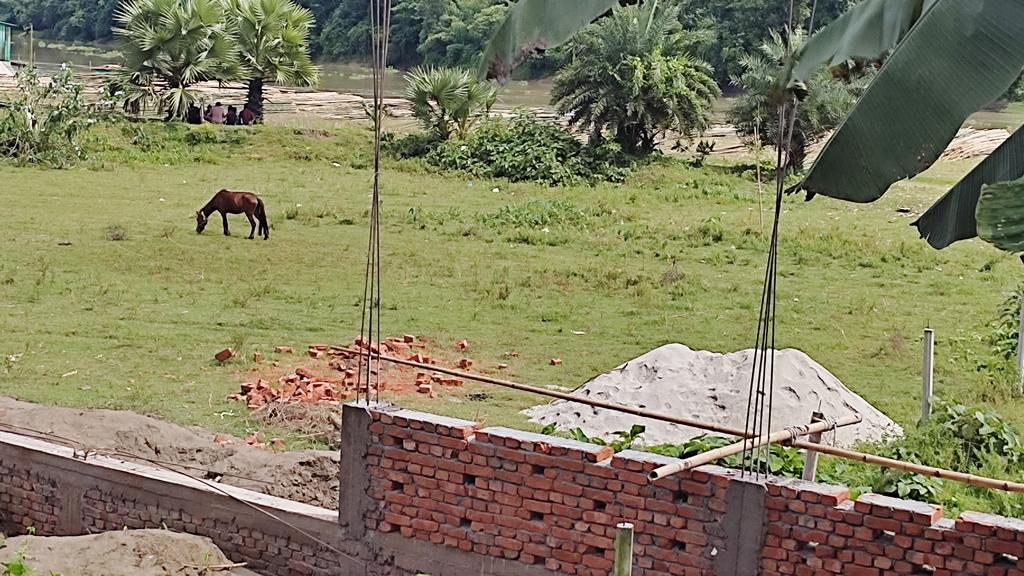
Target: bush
<point x="525" y="149"/>
<point x="43" y="124"/>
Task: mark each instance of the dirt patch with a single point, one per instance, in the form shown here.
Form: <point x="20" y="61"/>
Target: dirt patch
<point x="122" y="553"/>
<point x="309" y="476"/>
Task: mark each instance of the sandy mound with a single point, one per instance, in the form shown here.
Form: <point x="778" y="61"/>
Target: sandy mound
<point x="713" y="388"/>
<point x="309" y="476"/>
<point x="122" y="553"/>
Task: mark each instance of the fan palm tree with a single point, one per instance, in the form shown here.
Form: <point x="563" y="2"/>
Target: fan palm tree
<point x="447" y="101"/>
<point x="632" y="75"/>
<point x="273" y="45"/>
<point x="169" y="45"/>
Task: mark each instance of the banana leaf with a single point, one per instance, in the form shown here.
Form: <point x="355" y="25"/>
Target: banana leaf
<point x="952" y="217"/>
<point x="533" y="25"/>
<point x="958" y="57"/>
<point x="1000" y="215"/>
<point x="867" y="31"/>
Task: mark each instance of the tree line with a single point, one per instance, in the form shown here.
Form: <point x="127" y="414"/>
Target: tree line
<point x="453" y="32"/>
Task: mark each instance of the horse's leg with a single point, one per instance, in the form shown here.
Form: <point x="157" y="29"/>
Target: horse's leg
<point x="252" y="224"/>
<point x="224" y="216"/>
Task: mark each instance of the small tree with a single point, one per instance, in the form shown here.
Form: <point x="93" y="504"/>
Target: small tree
<point x="631" y="74"/>
<point x="448" y="101"/>
<point x="43" y="122"/>
<point x="168" y="46"/>
<point x="273" y="45"/>
<point x="755" y="114"/>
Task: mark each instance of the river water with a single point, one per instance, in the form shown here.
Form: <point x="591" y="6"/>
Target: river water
<point x="349" y="78"/>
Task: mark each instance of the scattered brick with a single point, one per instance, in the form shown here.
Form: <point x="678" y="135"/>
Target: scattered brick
<point x="225" y="355"/>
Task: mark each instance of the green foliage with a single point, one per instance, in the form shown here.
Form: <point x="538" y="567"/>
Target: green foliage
<point x="525" y="149"/>
<point x="631" y="75"/>
<point x="168" y="46"/>
<point x="624" y="439"/>
<point x="448" y="101"/>
<point x="44" y="122"/>
<point x="755" y="113"/>
<point x="731" y="28"/>
<point x="1006" y="328"/>
<point x="459" y="35"/>
<point x="782" y="461"/>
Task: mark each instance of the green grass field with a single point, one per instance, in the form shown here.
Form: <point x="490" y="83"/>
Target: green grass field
<point x="676" y="254"/>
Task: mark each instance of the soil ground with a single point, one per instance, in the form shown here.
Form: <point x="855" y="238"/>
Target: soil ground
<point x="309" y="476"/>
<point x="121" y="553"/>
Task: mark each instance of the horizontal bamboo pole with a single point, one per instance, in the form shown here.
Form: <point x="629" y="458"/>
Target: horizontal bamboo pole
<point x="940" y="473"/>
<point x="786" y="435"/>
<point x="943" y="474"/>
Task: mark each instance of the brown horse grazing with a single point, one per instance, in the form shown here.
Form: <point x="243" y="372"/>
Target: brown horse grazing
<point x="228" y="202"/>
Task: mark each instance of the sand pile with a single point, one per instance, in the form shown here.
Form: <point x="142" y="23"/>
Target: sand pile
<point x="121" y="553"/>
<point x="309" y="476"/>
<point x="713" y="388"/>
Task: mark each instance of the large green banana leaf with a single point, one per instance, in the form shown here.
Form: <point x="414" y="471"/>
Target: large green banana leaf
<point x="952" y="218"/>
<point x="533" y="25"/>
<point x="867" y="31"/>
<point x="1000" y="215"/>
<point x="959" y="56"/>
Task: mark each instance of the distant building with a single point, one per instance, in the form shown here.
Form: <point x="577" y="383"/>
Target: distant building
<point x="6" y="33"/>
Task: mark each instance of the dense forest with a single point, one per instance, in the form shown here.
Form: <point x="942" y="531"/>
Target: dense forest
<point x="452" y="31"/>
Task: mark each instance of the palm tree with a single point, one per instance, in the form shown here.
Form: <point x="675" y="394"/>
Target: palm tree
<point x="755" y="112"/>
<point x="273" y="45"/>
<point x="632" y="75"/>
<point x="169" y="45"/>
<point x="447" y="101"/>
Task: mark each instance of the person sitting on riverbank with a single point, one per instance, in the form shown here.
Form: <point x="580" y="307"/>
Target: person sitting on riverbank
<point x="232" y="118"/>
<point x="247" y="117"/>
<point x="193" y="115"/>
<point x="217" y="114"/>
<point x="208" y="114"/>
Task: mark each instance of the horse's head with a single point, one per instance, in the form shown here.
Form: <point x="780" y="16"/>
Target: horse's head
<point x="201" y="221"/>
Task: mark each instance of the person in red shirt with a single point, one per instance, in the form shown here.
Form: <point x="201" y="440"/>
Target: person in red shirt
<point x="247" y="117"/>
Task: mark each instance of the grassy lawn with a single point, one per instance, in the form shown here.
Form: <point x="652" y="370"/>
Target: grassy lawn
<point x="675" y="255"/>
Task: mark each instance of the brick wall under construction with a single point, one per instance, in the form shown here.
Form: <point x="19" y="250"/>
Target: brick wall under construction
<point x="554" y="503"/>
<point x="441" y="496"/>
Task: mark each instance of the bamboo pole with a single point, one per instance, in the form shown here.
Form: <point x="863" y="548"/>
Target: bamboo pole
<point x="943" y="474"/>
<point x="940" y="473"/>
<point x="810" y="456"/>
<point x="624" y="550"/>
<point x="728" y="430"/>
<point x="789" y="434"/>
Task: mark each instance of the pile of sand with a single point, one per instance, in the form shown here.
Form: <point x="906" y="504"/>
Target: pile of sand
<point x="713" y="388"/>
<point x="308" y="476"/>
<point x="121" y="553"/>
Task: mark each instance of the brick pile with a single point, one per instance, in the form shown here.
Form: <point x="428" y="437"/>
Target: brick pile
<point x="539" y="500"/>
<point x="342" y="379"/>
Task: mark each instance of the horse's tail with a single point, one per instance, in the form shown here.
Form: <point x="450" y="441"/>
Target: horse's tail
<point x="261" y="215"/>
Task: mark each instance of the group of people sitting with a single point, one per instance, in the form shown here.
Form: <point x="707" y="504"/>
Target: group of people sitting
<point x="217" y="114"/>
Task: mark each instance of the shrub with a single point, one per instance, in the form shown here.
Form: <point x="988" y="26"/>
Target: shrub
<point x="525" y="149"/>
<point x="44" y="122"/>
